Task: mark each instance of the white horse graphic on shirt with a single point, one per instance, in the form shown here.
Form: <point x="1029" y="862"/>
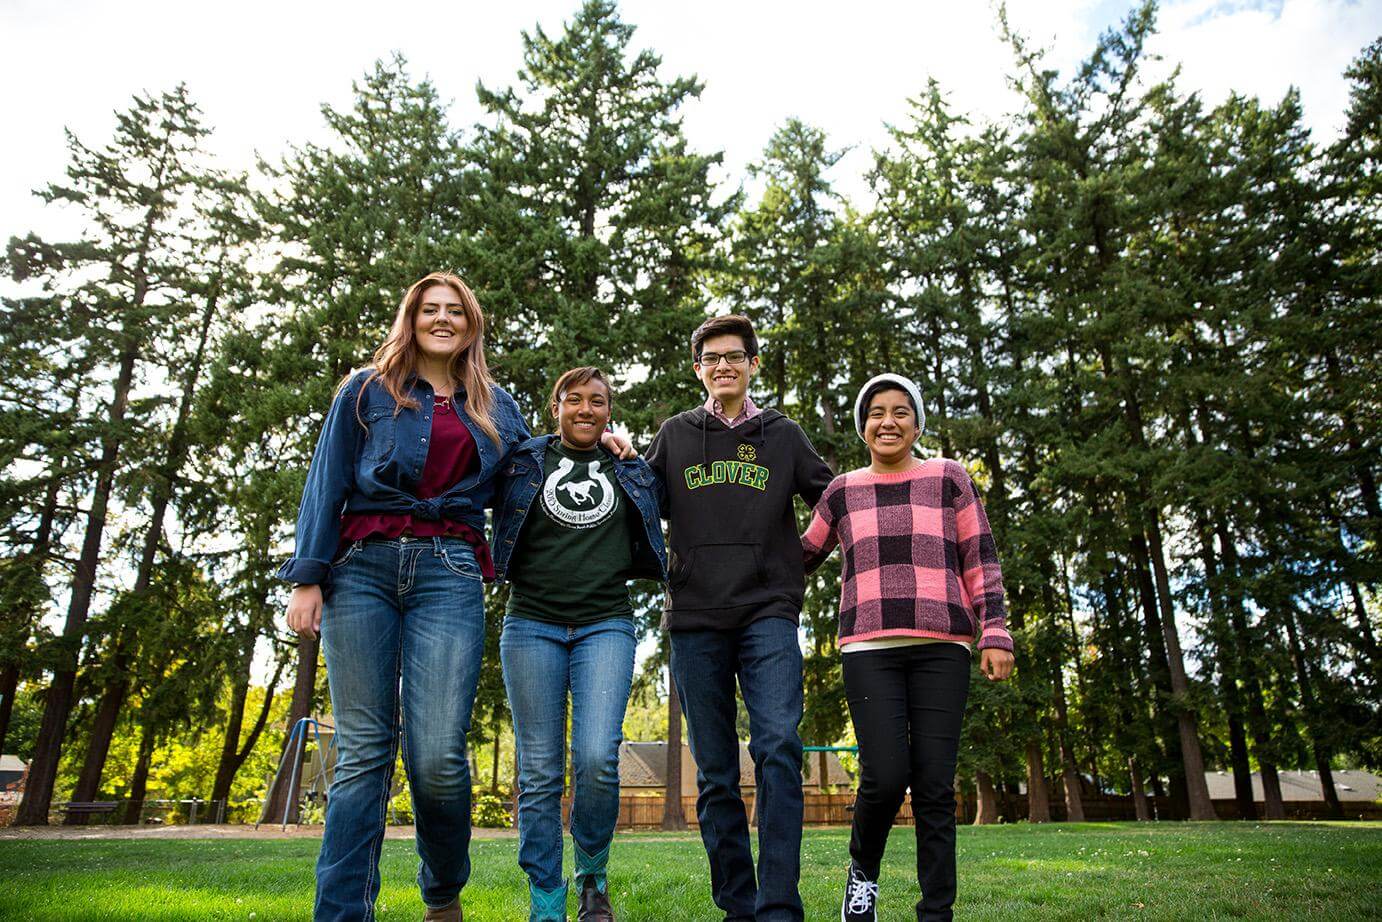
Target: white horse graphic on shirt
<point x="581" y="492"/>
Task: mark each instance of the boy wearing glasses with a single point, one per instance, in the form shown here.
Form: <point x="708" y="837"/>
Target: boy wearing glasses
<point x="735" y="592"/>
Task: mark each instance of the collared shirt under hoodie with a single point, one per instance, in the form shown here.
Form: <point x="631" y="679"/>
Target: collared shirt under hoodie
<point x="735" y="552"/>
<point x="747" y="412"/>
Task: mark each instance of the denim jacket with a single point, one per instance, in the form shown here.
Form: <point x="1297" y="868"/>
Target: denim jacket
<point x="374" y="468"/>
<point x="522" y="479"/>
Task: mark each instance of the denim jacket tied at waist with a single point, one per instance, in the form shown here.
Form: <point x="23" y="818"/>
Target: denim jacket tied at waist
<point x="374" y="467"/>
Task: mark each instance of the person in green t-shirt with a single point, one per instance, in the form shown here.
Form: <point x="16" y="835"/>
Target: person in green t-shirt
<point x="574" y="526"/>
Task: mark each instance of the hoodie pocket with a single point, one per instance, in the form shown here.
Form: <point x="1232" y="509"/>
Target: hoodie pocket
<point x="718" y="576"/>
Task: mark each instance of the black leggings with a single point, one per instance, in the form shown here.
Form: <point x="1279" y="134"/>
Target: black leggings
<point x="907" y="704"/>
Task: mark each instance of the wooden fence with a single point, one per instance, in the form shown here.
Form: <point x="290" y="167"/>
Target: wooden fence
<point x="644" y="811"/>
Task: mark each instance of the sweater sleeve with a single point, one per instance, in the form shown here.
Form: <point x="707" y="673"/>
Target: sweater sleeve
<point x="979" y="569"/>
<point x="820" y="536"/>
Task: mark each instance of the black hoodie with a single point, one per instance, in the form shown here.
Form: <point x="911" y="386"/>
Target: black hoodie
<point x="735" y="551"/>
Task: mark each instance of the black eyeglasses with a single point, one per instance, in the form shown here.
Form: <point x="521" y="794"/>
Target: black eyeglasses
<point x="711" y="359"/>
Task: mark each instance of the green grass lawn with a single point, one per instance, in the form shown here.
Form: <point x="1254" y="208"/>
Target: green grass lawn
<point x="1280" y="871"/>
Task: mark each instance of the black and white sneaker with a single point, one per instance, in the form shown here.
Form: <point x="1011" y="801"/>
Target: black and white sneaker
<point x="861" y="897"/>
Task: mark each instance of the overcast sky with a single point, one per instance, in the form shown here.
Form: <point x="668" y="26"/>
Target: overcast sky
<point x="260" y="71"/>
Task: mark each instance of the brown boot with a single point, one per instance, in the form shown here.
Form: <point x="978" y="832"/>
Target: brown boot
<point x="594" y="904"/>
<point x="451" y="912"/>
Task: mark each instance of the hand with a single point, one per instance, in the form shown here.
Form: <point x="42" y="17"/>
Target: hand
<point x="995" y="664"/>
<point x="305" y="610"/>
<point x="618" y="446"/>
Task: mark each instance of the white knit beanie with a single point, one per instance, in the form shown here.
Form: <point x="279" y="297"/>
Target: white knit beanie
<point x="907" y="384"/>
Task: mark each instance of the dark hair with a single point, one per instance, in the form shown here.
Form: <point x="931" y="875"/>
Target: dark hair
<point x="728" y="325"/>
<point x="879" y="388"/>
<point x="575" y="378"/>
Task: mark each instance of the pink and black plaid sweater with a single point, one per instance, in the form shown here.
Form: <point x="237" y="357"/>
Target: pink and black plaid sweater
<point x="919" y="559"/>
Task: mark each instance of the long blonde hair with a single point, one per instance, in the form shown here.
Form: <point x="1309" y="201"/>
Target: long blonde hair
<point x="397" y="358"/>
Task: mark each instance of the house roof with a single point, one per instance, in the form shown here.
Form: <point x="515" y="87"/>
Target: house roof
<point x="10" y="763"/>
<point x="1351" y="785"/>
<point x="645" y="765"/>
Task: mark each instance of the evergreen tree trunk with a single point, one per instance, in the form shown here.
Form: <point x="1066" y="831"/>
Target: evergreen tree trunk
<point x="1038" y="794"/>
<point x="232" y="758"/>
<point x="235" y="718"/>
<point x="673" y="816"/>
<point x="32" y="564"/>
<point x="1091" y="724"/>
<point x="1238" y="756"/>
<point x="1273" y="807"/>
<point x="494" y="766"/>
<point x="9" y="686"/>
<point x="1074" y="800"/>
<point x="986" y="812"/>
<point x="57" y="705"/>
<point x="98" y="744"/>
<point x="284" y="792"/>
<point x="126" y="648"/>
<point x="139" y="782"/>
<point x="1070" y="773"/>
<point x="1038" y="799"/>
<point x="1139" y="793"/>
<point x="1160" y="673"/>
<point x="1308" y="701"/>
<point x="1229" y="667"/>
<point x="1201" y="807"/>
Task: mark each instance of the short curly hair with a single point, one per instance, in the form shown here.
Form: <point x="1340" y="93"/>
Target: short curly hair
<point x="575" y="378"/>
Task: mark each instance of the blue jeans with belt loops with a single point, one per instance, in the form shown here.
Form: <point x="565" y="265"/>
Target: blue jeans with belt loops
<point x="765" y="659"/>
<point x="403" y="633"/>
<point x="544" y="662"/>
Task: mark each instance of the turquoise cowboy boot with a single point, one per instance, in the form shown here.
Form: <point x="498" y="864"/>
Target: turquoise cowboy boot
<point x="592" y="885"/>
<point x="546" y="905"/>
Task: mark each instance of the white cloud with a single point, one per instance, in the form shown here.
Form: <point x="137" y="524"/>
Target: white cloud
<point x="1262" y="51"/>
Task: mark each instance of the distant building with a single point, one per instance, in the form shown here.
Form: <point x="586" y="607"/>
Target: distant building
<point x="12" y="769"/>
<point x="1351" y="785"/>
<point x="643" y="769"/>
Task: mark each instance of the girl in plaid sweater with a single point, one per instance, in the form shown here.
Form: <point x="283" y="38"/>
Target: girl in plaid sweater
<point x="920" y="584"/>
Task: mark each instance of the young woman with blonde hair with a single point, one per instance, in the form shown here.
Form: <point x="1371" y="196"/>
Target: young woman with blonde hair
<point x="389" y="568"/>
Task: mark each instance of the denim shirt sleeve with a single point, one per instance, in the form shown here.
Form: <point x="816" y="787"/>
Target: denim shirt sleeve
<point x="330" y="480"/>
<point x="520" y="435"/>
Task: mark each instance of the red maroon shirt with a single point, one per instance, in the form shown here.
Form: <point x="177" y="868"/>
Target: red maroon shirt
<point x="451" y="455"/>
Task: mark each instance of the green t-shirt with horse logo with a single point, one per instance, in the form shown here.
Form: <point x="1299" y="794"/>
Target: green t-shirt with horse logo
<point x="575" y="551"/>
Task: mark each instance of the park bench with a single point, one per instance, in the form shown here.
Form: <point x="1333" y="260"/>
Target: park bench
<point x="92" y="808"/>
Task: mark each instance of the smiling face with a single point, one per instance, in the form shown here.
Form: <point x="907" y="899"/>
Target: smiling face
<point x="890" y="427"/>
<point x="440" y="324"/>
<point x="582" y="412"/>
<point x="724" y="380"/>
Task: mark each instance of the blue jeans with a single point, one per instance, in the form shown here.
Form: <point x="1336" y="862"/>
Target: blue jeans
<point x="410" y="609"/>
<point x="542" y="662"/>
<point x="766" y="658"/>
